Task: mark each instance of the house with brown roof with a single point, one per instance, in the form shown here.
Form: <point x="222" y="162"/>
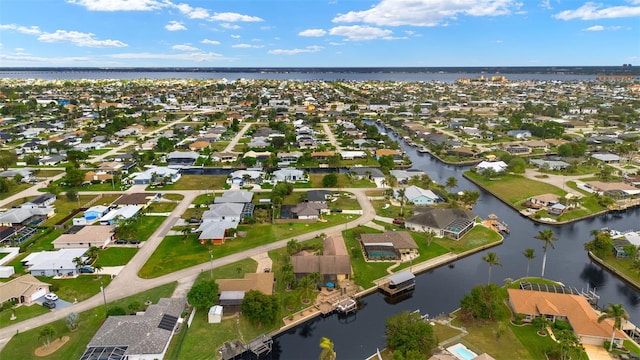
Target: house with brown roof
<point x="199" y="145"/>
<point x="395" y="245"/>
<point x="397" y="156"/>
<point x="262" y="282"/>
<point x="140" y="199"/>
<point x="86" y="237"/>
<point x="574" y="309"/>
<point x="23" y="290"/>
<point x="334" y="264"/>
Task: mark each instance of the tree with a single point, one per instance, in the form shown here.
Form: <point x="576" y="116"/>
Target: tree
<point x="617" y="313"/>
<point x="92" y="253"/>
<point x="492" y="259"/>
<point x="451" y="182"/>
<point x="401" y="194"/>
<point x="601" y="244"/>
<point x="530" y="255"/>
<point x="286" y="275"/>
<point x="47" y="333"/>
<point x="330" y="180"/>
<point x="74" y="177"/>
<point x="260" y="308"/>
<point x="407" y="332"/>
<point x="72" y="195"/>
<point x="429" y="235"/>
<point x="327" y="349"/>
<point x="8" y="158"/>
<point x="203" y="295"/>
<point x="78" y="261"/>
<point x="517" y="165"/>
<point x="548" y="238"/>
<point x="72" y="321"/>
<point x="484" y="302"/>
<point x="568" y="344"/>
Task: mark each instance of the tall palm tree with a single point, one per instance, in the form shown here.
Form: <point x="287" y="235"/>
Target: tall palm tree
<point x="401" y="194"/>
<point x="548" y="238"/>
<point x="492" y="259"/>
<point x="451" y="182"/>
<point x="530" y="255"/>
<point x="327" y="349"/>
<point x="617" y="313"/>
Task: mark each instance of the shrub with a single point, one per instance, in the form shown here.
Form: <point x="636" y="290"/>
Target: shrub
<point x="561" y="325"/>
<point x="116" y="310"/>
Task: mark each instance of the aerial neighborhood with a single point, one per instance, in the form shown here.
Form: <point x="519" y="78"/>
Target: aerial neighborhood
<point x="257" y="205"/>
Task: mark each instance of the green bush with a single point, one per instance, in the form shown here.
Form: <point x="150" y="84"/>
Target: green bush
<point x="116" y="310"/>
<point x="561" y="325"/>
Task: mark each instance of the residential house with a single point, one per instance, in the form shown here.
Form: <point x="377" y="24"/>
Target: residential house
<point x="569" y="307"/>
<point x="403" y="176"/>
<point x="496" y="166"/>
<point x="137" y="337"/>
<point x="397" y="245"/>
<point x="245" y="177"/>
<point x="199" y="145"/>
<point x="26" y="215"/>
<point x="419" y="196"/>
<point x="289" y="157"/>
<point x="288" y="175"/>
<point x="451" y="223"/>
<point x="319" y="196"/>
<point x="543" y="201"/>
<point x="85" y="237"/>
<point x="182" y="158"/>
<point x="156" y="175"/>
<point x="224" y="157"/>
<point x="549" y="164"/>
<point x="24" y="290"/>
<point x="352" y="155"/>
<point x="95" y="212"/>
<point x="607" y="158"/>
<point x="261" y="281"/>
<point x="44" y="200"/>
<point x="309" y="210"/>
<point x="217" y="220"/>
<point x="372" y="174"/>
<point x="141" y="199"/>
<point x="54" y="263"/>
<point x="395" y="154"/>
<point x="333" y="265"/>
<point x="519" y="134"/>
<point x="116" y="215"/>
<point x="260" y="156"/>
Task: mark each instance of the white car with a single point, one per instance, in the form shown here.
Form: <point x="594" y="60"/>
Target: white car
<point x="51" y="296"/>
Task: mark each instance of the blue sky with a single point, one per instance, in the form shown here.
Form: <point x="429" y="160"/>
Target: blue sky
<point x="312" y="33"/>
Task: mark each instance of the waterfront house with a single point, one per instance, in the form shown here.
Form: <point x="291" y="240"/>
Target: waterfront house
<point x="156" y="175"/>
<point x="182" y="158"/>
<point x="245" y="177"/>
<point x="451" y="223"/>
<point x="496" y="166"/>
<point x="261" y="281"/>
<point x="390" y="245"/>
<point x="288" y="175"/>
<point x="574" y="309"/>
<point x="419" y="196"/>
<point x="144" y="336"/>
<point x="334" y="264"/>
<point x="24" y="290"/>
<point x="403" y="176"/>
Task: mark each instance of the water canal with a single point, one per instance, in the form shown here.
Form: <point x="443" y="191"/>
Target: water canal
<point x="440" y="290"/>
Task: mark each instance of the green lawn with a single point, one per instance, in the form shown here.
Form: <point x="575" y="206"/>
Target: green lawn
<point x="80" y="288"/>
<point x="344" y="181"/>
<point x="478" y="236"/>
<point x="363" y="272"/>
<point x="143" y="228"/>
<point x="22" y="313"/>
<point x="161" y="207"/>
<point x="14" y="189"/>
<point x="23" y="345"/>
<point x="195" y="182"/>
<point x="115" y="256"/>
<point x="624" y="266"/>
<point x="513" y="188"/>
<point x="64" y="207"/>
<point x="173" y="197"/>
<point x="177" y="252"/>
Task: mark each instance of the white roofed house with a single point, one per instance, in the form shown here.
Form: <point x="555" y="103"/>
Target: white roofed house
<point x="288" y="175"/>
<point x="243" y="177"/>
<point x="54" y="263"/>
<point x="26" y="215"/>
<point x="418" y="196"/>
<point x="217" y="220"/>
<point x="114" y="216"/>
<point x="182" y="158"/>
<point x="496" y="166"/>
<point x="156" y="175"/>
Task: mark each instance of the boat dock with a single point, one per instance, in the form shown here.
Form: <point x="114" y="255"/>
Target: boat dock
<point x="261" y="345"/>
<point x="398" y="283"/>
<point x="492" y="222"/>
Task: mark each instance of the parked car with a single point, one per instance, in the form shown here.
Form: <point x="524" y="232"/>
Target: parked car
<point x="51" y="296"/>
<point x="134" y="242"/>
<point x="121" y="242"/>
<point x="49" y="304"/>
<point x="87" y="270"/>
<point x="398" y="222"/>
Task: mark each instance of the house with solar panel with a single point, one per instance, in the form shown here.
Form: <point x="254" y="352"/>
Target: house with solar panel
<point x="137" y="337"/>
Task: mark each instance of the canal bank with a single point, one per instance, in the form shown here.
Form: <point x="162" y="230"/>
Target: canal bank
<point x="629" y="281"/>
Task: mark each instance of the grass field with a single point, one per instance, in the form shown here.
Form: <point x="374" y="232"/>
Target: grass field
<point x="14" y="189"/>
<point x="513" y="188"/>
<point x="115" y="256"/>
<point x="478" y="236"/>
<point x="161" y="207"/>
<point x="80" y="288"/>
<point x="22" y="313"/>
<point x="195" y="182"/>
<point x="23" y="345"/>
<point x="344" y="181"/>
<point x="179" y="252"/>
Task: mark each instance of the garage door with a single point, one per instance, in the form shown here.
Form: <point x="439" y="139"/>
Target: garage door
<point x="39" y="293"/>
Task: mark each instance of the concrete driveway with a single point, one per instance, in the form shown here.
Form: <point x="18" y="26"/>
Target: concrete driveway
<point x="60" y="304"/>
<point x="597" y="352"/>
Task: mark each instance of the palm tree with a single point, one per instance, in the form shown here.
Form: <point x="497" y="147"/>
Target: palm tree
<point x="327" y="349"/>
<point x="451" y="182"/>
<point x="492" y="259"/>
<point x="530" y="255"/>
<point x="617" y="313"/>
<point x="548" y="238"/>
<point x="78" y="261"/>
<point x="401" y="193"/>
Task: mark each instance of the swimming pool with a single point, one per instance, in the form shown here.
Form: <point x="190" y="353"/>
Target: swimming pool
<point x="380" y="254"/>
<point x="461" y="352"/>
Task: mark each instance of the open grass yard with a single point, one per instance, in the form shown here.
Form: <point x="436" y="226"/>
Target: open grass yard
<point x="46" y="173"/>
<point x="161" y="207"/>
<point x="385" y="209"/>
<point x="514" y="189"/>
<point x="204" y="199"/>
<point x="43" y="240"/>
<point x="178" y="252"/>
<point x="23" y="345"/>
<point x="219" y="145"/>
<point x="80" y="288"/>
<point x="624" y="266"/>
<point x="105" y="186"/>
<point x="64" y="207"/>
<point x="364" y="273"/>
<point x="14" y="189"/>
<point x="344" y="181"/>
<point x="478" y="236"/>
<point x="22" y="313"/>
<point x="173" y="197"/>
<point x="115" y="256"/>
<point x="426" y="251"/>
<point x="443" y="332"/>
<point x="195" y="182"/>
<point x="145" y="226"/>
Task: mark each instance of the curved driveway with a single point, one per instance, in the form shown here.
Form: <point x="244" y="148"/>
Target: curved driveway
<point x="128" y="283"/>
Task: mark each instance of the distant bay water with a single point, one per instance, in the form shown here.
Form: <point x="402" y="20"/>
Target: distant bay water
<point x="328" y="75"/>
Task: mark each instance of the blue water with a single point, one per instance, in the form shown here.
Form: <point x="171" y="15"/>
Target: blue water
<point x="462" y="352"/>
<point x="380" y="254"/>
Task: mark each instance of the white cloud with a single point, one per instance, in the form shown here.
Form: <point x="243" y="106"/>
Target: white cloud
<point x="360" y="33"/>
<point x="192" y="13"/>
<point x="185" y="47"/>
<point x="120" y="5"/>
<point x="593" y="11"/>
<point x="594" y="28"/>
<point x="312" y="33"/>
<point x="230" y="26"/>
<point x="247" y="46"/>
<point x="234" y="17"/>
<point x="26" y="58"/>
<point x="210" y="42"/>
<point x="336" y="43"/>
<point x="79" y="39"/>
<point x="175" y="26"/>
<point x="427" y="12"/>
<point x="29" y="30"/>
<point x="195" y="56"/>
<point x="235" y="36"/>
<point x="308" y="49"/>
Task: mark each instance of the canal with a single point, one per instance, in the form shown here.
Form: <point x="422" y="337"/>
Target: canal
<point x="440" y="290"/>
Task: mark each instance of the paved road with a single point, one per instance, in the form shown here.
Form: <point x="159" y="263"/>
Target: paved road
<point x="237" y="138"/>
<point x="559" y="181"/>
<point x="128" y="283"/>
<point x="331" y="137"/>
